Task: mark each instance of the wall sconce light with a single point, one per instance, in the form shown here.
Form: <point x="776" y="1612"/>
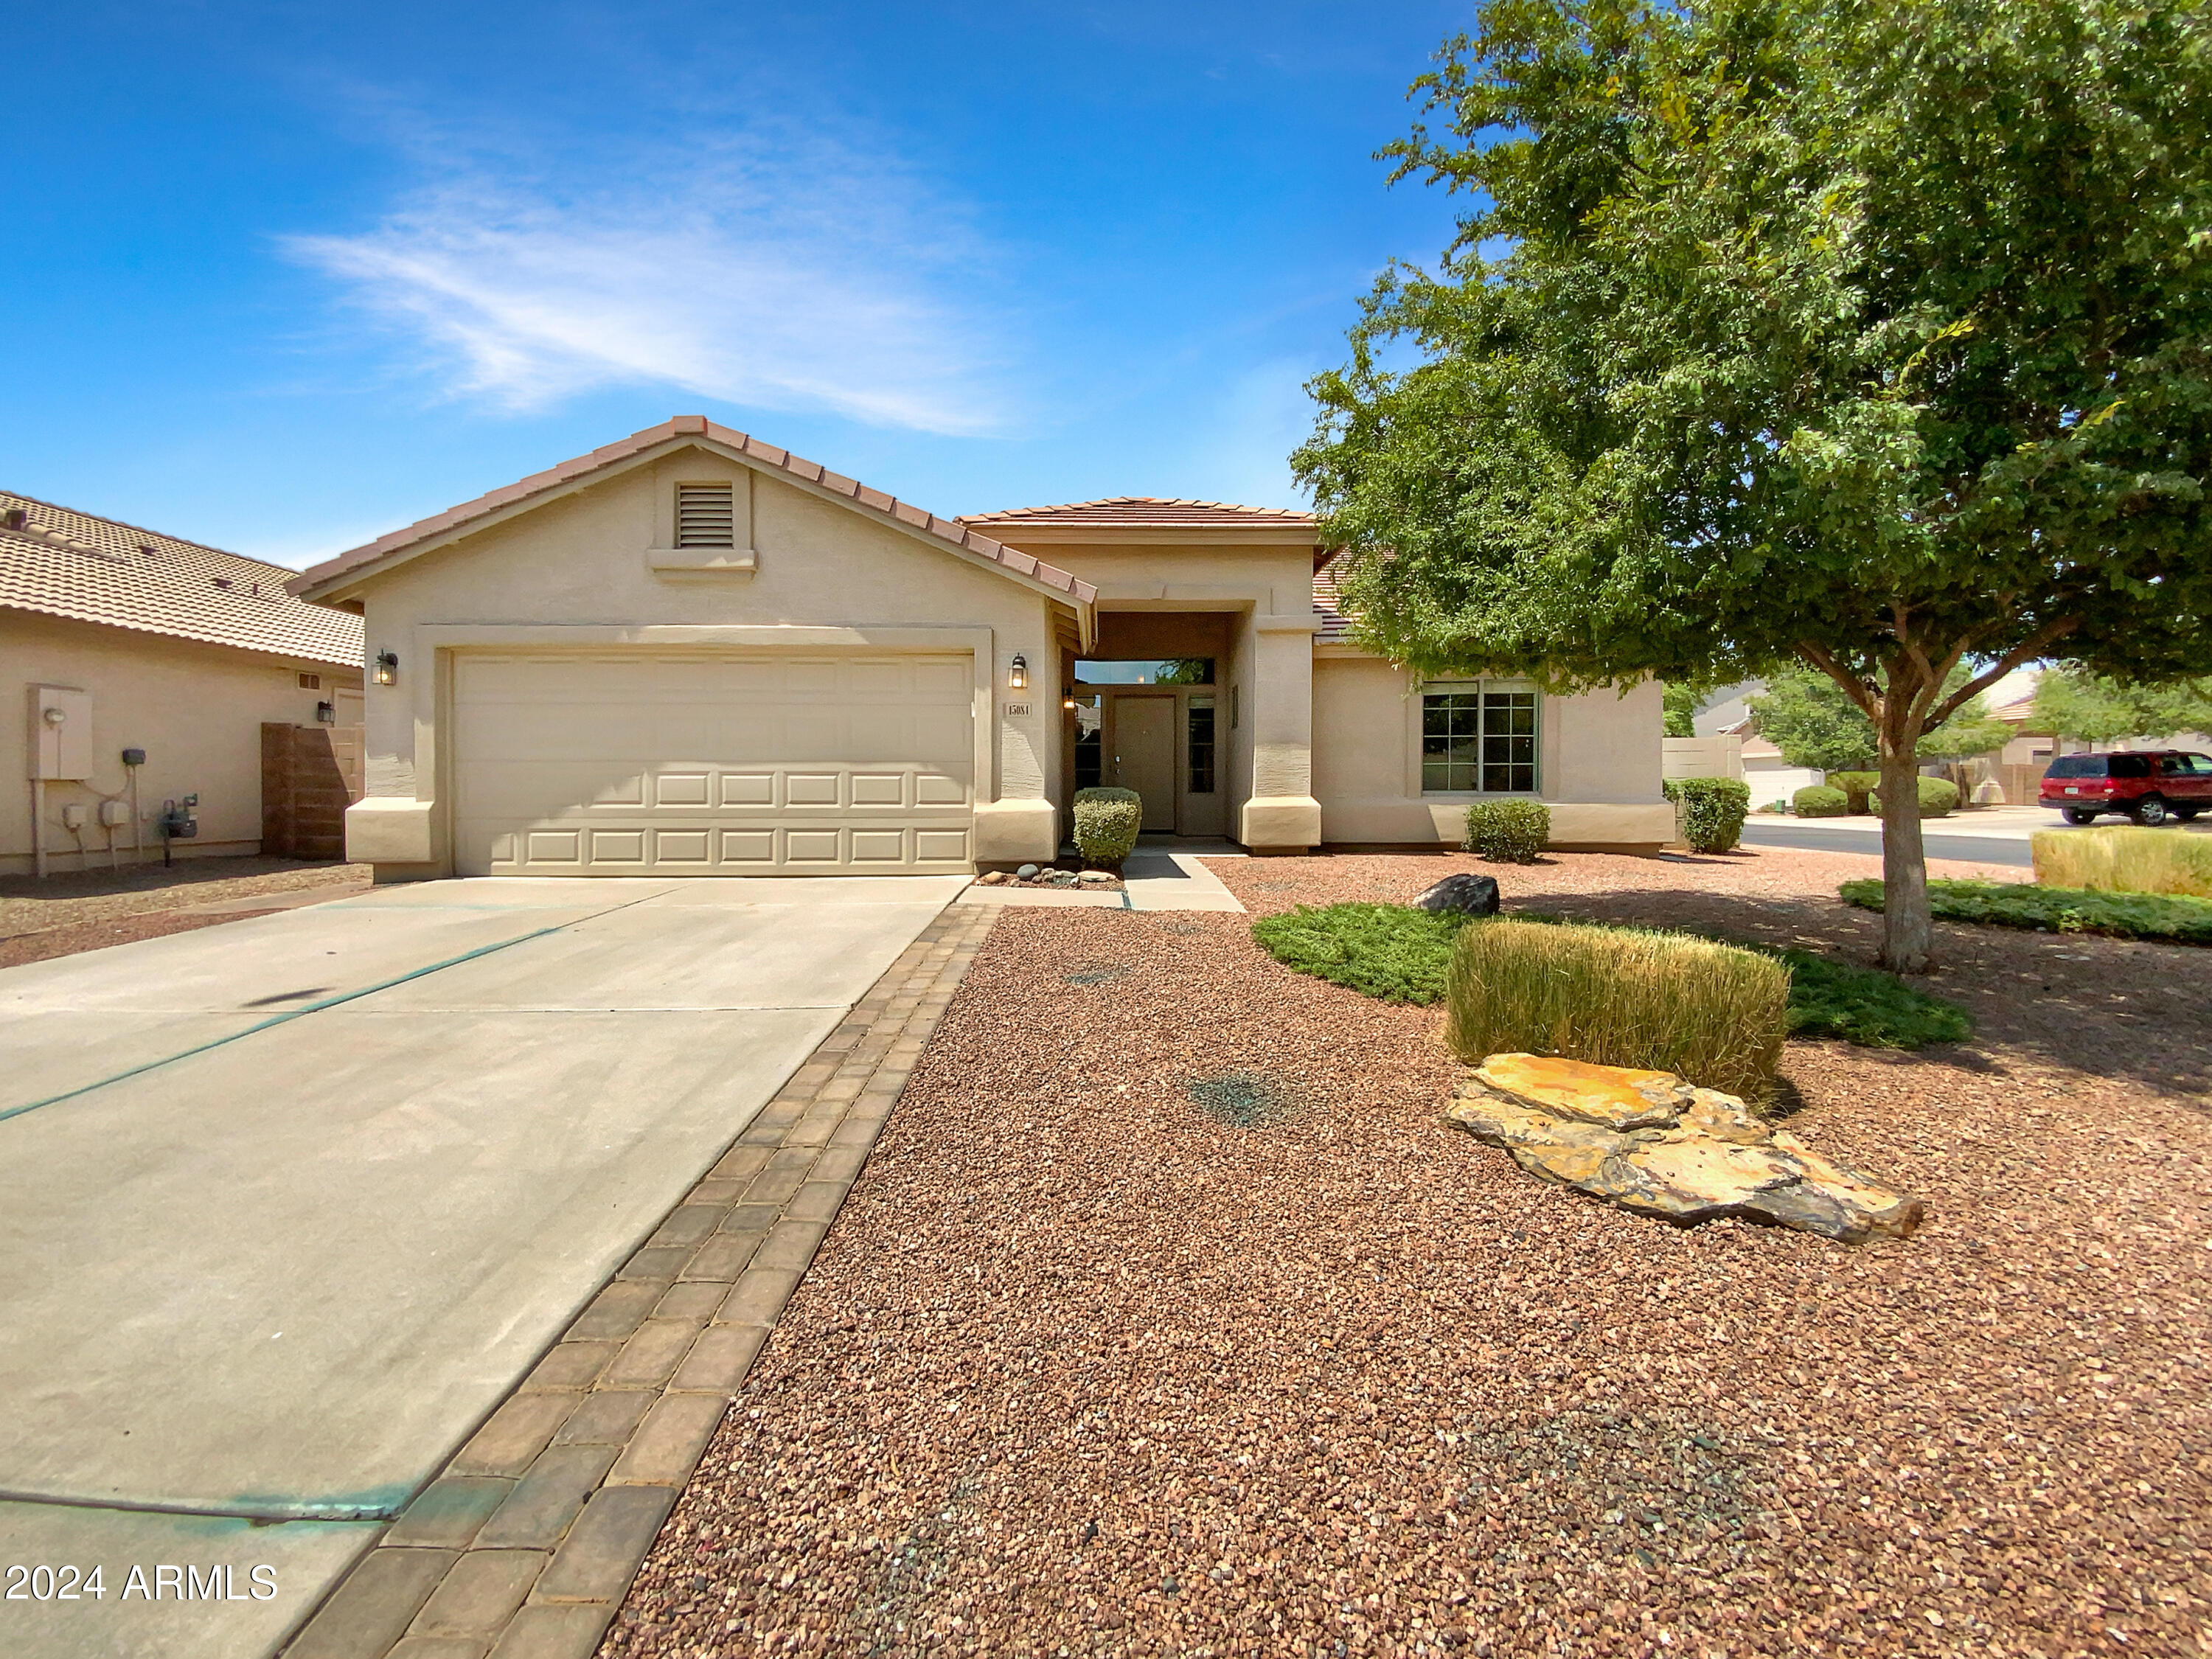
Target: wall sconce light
<point x="388" y="668"/>
<point x="1018" y="673"/>
<point x="1068" y="697"/>
<point x="326" y="714"/>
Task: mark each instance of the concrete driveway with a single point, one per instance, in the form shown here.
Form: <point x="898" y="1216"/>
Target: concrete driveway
<point x="288" y="1205"/>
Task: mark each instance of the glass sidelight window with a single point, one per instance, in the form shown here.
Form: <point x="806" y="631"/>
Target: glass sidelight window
<point x="1200" y="742"/>
<point x="1477" y="740"/>
<point x="1090" y="723"/>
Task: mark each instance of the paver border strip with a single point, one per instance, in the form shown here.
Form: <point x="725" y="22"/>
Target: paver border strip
<point x="525" y="1545"/>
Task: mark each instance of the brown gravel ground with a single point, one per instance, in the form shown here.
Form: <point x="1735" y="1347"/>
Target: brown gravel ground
<point x="1085" y="1367"/>
<point x="84" y="936"/>
<point x="28" y="905"/>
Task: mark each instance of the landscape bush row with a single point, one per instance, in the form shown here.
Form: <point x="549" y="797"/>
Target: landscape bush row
<point x="2164" y="917"/>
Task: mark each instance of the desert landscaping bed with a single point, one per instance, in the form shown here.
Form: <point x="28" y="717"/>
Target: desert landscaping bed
<point x="1169" y="1318"/>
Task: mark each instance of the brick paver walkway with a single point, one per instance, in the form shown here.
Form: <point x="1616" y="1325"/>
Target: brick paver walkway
<point x="525" y="1544"/>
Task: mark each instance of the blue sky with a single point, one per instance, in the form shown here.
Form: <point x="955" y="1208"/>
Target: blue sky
<point x="280" y="278"/>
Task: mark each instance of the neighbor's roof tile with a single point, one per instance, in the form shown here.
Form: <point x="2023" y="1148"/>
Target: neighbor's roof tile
<point x="1329" y="604"/>
<point x="66" y="563"/>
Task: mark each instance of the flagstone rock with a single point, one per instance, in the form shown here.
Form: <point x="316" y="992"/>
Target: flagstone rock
<point x="1657" y="1146"/>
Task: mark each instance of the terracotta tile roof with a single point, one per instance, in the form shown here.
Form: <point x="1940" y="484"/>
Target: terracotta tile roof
<point x="321" y="576"/>
<point x="1149" y="513"/>
<point x="61" y="562"/>
<point x="1328" y="605"/>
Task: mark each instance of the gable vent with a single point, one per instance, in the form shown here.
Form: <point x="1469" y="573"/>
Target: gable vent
<point x="706" y="515"/>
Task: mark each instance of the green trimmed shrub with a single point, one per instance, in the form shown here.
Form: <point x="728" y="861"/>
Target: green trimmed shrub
<point x="2124" y="860"/>
<point x="1389" y="950"/>
<point x="1715" y="1014"/>
<point x="1106" y="825"/>
<point x="1937" y="797"/>
<point x="2166" y="917"/>
<point x="1507" y="831"/>
<point x="1867" y="1006"/>
<point x="1856" y="786"/>
<point x="1710" y="811"/>
<point x="1818" y="800"/>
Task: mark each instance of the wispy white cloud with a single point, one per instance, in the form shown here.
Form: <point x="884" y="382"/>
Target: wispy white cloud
<point x="793" y="275"/>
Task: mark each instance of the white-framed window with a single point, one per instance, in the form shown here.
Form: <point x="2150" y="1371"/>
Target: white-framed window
<point x="1479" y="737"/>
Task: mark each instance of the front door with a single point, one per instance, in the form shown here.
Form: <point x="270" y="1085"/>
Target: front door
<point x="1145" y="758"/>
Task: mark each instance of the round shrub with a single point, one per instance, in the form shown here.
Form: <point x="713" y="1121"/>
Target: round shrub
<point x="1106" y="825"/>
<point x="1937" y="797"/>
<point x="1709" y="811"/>
<point x="1856" y="786"/>
<point x="1507" y="831"/>
<point x="1818" y="800"/>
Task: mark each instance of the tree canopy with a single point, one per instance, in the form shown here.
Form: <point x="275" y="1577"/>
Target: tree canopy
<point x="1810" y="719"/>
<point x="2072" y="703"/>
<point x="1871" y="335"/>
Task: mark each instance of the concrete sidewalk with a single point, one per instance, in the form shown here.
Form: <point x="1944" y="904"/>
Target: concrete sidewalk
<point x="287" y="1206"/>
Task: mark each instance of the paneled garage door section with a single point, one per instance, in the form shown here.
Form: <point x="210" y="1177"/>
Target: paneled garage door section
<point x="713" y="764"/>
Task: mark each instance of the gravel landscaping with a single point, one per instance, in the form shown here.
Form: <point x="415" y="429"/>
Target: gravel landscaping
<point x="1169" y="1318"/>
<point x="29" y="904"/>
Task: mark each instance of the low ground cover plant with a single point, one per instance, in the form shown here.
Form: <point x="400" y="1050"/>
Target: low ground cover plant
<point x="1401" y="955"/>
<point x="2124" y="860"/>
<point x="1106" y="825"/>
<point x="1507" y="831"/>
<point x="1937" y="797"/>
<point x="1710" y="811"/>
<point x="1392" y="952"/>
<point x="2166" y="917"/>
<point x="1818" y="800"/>
<point x="1713" y="1014"/>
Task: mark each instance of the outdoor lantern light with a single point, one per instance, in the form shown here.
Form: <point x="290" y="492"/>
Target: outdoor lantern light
<point x="1018" y="673"/>
<point x="388" y="668"/>
<point x="1067" y="698"/>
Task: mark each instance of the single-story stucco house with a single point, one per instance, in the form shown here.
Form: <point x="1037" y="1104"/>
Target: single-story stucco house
<point x="150" y="669"/>
<point x="692" y="652"/>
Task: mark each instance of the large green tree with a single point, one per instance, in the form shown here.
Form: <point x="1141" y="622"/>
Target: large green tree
<point x="1871" y="335"/>
<point x="2076" y="704"/>
<point x="1809" y="718"/>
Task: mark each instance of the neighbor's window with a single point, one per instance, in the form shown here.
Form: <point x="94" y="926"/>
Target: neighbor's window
<point x="706" y="515"/>
<point x="1171" y="670"/>
<point x="1200" y="744"/>
<point x="1477" y="740"/>
<point x="1088" y="723"/>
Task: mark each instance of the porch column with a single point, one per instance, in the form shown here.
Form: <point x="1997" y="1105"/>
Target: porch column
<point x="1280" y="814"/>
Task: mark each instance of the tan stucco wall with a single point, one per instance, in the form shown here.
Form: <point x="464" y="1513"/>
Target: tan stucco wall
<point x="1598" y="763"/>
<point x="196" y="710"/>
<point x="582" y="559"/>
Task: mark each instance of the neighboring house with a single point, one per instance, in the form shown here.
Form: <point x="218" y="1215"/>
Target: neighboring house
<point x="141" y="642"/>
<point x="691" y="653"/>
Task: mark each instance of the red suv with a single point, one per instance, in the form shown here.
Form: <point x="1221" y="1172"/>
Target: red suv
<point x="2150" y="787"/>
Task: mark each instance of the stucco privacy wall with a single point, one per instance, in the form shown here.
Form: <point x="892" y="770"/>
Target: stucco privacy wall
<point x="1597" y="767"/>
<point x="196" y="709"/>
<point x="580" y="560"/>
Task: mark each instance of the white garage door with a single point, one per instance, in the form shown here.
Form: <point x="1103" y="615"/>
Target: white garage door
<point x="706" y="763"/>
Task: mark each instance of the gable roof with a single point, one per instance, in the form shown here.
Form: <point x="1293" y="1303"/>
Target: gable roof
<point x="323" y="579"/>
<point x="1149" y="513"/>
<point x="62" y="562"/>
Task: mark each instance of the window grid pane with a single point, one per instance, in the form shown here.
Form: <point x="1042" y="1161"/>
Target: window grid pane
<point x="1479" y="742"/>
<point x="1201" y="739"/>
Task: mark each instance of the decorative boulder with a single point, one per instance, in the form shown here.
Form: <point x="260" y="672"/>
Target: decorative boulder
<point x="1654" y="1144"/>
<point x="1026" y="871"/>
<point x="1463" y="894"/>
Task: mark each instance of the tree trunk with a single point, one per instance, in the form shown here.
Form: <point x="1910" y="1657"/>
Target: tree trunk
<point x="1907" y="933"/>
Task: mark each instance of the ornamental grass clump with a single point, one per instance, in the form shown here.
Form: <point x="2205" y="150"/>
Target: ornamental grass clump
<point x="2116" y="860"/>
<point x="1106" y="825"/>
<point x="1713" y="1014"/>
<point x="1709" y="811"/>
<point x="1507" y="831"/>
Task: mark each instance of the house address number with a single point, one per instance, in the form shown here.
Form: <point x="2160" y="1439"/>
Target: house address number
<point x="1016" y="710"/>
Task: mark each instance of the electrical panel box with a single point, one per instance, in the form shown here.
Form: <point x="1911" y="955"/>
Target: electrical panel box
<point x="61" y="733"/>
